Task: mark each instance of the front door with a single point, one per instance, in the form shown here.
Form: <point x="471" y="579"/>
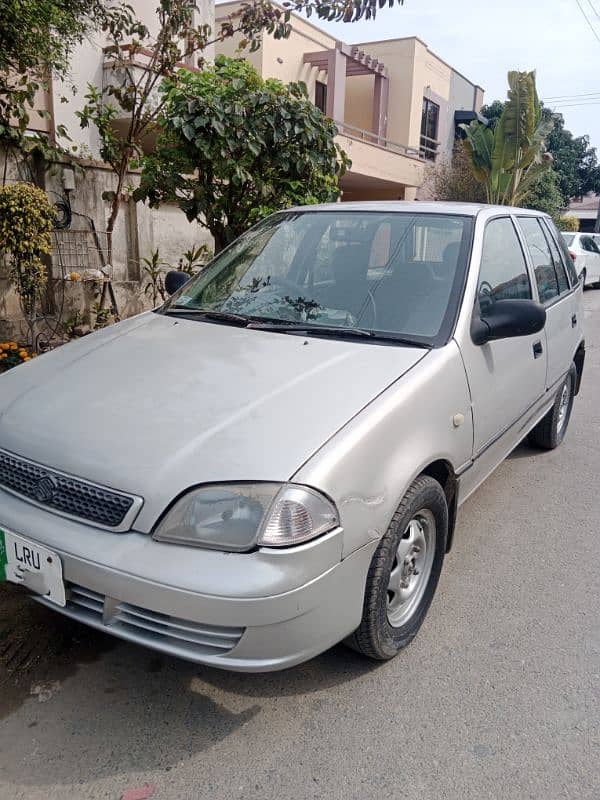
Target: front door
<point x="506" y="377"/>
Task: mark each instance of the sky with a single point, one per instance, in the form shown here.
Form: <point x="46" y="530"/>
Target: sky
<point x="483" y="39"/>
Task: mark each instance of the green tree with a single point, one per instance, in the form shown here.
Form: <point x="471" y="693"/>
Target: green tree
<point x="545" y="194"/>
<point x="37" y="38"/>
<point x="575" y="161"/>
<point x="177" y="40"/>
<point x="236" y="147"/>
<point x="509" y="158"/>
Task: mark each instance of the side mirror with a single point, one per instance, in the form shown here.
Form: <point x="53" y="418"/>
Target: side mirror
<point x="174" y="280"/>
<point x="507" y="318"/>
<point x="582" y="276"/>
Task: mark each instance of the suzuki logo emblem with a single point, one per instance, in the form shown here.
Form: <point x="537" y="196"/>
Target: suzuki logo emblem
<point x="44" y="489"/>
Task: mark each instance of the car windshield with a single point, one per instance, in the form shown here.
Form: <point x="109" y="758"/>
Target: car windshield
<point x="568" y="237"/>
<point x="393" y="273"/>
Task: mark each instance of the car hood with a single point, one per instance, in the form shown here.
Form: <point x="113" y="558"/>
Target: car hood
<point x="155" y="404"/>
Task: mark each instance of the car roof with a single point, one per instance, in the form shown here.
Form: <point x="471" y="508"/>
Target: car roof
<point x="418" y="207"/>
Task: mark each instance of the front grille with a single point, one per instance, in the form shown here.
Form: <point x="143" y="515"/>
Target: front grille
<point x="62" y="493"/>
<point x="161" y="631"/>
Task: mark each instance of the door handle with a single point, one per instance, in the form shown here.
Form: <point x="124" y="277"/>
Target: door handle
<point x="537" y="349"/>
<point x="574" y="320"/>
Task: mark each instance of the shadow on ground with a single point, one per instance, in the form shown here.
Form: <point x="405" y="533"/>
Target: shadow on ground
<point x="525" y="450"/>
<point x="39" y="648"/>
<point x="87" y="705"/>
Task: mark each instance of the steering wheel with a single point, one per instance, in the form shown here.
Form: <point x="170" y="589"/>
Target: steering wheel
<point x="486" y="289"/>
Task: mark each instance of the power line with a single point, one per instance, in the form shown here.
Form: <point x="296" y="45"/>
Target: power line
<point x="587" y="19"/>
<point x="592" y="101"/>
<point x="576" y="105"/>
<point x="569" y="96"/>
<point x="593" y="7"/>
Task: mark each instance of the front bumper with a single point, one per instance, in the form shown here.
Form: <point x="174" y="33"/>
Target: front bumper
<point x="258" y="611"/>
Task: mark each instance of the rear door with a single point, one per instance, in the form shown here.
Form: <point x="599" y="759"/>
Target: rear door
<point x="556" y="293"/>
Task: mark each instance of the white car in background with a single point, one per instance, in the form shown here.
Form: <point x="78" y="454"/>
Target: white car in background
<point x="585" y="252"/>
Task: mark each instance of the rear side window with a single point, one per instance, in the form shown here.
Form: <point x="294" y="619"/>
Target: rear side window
<point x="563" y="281"/>
<point x="543" y="265"/>
<point x="503" y="272"/>
<point x="562" y="241"/>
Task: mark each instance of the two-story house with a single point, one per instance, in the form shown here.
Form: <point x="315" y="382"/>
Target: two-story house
<point x="396" y="103"/>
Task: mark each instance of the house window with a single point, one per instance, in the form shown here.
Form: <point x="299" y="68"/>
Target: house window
<point x="429" y="129"/>
<point x="321" y="96"/>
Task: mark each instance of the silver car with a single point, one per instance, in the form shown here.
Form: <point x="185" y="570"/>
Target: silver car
<point x="272" y="462"/>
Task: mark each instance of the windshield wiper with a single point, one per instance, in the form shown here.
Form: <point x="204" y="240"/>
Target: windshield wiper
<point x="217" y="316"/>
<point x="306" y="327"/>
<point x="334" y="331"/>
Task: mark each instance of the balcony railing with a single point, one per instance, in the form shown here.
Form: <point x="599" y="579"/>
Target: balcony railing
<point x="361" y="135"/>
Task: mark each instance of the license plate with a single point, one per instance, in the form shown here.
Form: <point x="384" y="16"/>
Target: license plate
<point x="32" y="566"/>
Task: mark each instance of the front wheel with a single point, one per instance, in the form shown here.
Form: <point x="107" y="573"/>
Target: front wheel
<point x="404" y="572"/>
<point x="551" y="429"/>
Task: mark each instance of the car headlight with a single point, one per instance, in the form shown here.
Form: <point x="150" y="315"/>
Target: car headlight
<point x="239" y="516"/>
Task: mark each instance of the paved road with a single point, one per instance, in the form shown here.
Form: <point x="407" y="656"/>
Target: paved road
<point x="499" y="696"/>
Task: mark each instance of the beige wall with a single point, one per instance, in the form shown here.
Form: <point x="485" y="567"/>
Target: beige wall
<point x="398" y="56"/>
<point x="381" y="163"/>
<point x="230" y="48"/>
<point x="359" y="101"/>
<point x="282" y="58"/>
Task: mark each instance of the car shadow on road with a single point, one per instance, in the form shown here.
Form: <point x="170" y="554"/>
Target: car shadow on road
<point x="337" y="665"/>
<point x="78" y="705"/>
<point x="525" y="450"/>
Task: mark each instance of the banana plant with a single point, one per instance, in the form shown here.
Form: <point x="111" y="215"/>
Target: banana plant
<point x="509" y="159"/>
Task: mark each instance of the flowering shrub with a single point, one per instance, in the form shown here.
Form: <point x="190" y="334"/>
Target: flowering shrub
<point x="26" y="220"/>
<point x="11" y="355"/>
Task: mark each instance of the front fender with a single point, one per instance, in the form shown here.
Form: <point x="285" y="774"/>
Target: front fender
<point x="424" y="417"/>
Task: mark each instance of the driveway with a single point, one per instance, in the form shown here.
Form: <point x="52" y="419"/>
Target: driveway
<point x="498" y="697"/>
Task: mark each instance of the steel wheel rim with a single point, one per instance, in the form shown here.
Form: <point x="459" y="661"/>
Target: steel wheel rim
<point x="411" y="568"/>
<point x="563" y="406"/>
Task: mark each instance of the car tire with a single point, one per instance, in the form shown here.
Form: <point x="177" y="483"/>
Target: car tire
<point x="404" y="572"/>
<point x="551" y="429"/>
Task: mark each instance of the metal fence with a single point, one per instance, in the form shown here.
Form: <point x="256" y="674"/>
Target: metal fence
<point x="79" y="250"/>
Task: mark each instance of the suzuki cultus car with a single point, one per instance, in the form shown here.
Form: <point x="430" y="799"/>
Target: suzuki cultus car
<point x="272" y="461"/>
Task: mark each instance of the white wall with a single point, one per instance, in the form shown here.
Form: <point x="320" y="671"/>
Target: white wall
<point x="87" y="67"/>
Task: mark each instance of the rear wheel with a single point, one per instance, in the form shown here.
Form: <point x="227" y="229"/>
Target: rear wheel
<point x="551" y="430"/>
<point x="404" y="572"/>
